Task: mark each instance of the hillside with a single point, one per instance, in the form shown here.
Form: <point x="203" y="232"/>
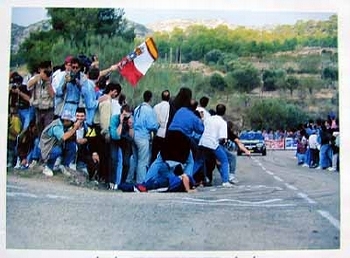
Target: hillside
<point x="238" y="66"/>
<point x="169" y="25"/>
<point x="20" y="33"/>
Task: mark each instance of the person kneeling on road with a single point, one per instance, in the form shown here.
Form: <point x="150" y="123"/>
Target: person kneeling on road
<point x="53" y="143"/>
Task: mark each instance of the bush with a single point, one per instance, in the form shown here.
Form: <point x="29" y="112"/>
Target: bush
<point x="275" y="113"/>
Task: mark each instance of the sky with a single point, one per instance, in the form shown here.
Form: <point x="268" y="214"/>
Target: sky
<point x="28" y="15"/>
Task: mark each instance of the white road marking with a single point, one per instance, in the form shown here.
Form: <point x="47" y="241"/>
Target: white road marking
<point x="230" y="200"/>
<point x="51" y="196"/>
<point x="13" y="194"/>
<point x="323" y="213"/>
<point x="291" y="187"/>
<point x="29" y="195"/>
<point x="270" y="173"/>
<point x="305" y="197"/>
<point x="278" y="178"/>
<point x="236" y="204"/>
<point x="330" y="218"/>
<point x="14" y="187"/>
<point x="258" y="187"/>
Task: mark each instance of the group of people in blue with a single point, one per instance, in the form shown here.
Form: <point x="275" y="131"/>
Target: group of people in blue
<point x="73" y="117"/>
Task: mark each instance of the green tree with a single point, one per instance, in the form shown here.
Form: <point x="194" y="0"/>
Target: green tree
<point x="244" y="78"/>
<point x="311" y="83"/>
<point x="291" y="83"/>
<point x="213" y="56"/>
<point x="273" y="79"/>
<point x="217" y="82"/>
<point x="79" y="30"/>
<point x="310" y="64"/>
<point x="330" y="73"/>
<point x="274" y="113"/>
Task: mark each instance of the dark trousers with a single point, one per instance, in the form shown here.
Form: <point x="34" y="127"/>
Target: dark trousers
<point x="105" y="159"/>
<point x="204" y="165"/>
<point x="314" y="157"/>
<point x="157" y="145"/>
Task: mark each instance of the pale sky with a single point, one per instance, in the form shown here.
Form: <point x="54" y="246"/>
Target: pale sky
<point x="28" y="15"/>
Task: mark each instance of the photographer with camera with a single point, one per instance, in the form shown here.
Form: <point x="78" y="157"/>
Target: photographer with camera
<point x="58" y="78"/>
<point x="20" y="100"/>
<point x="70" y="87"/>
<point x="122" y="133"/>
<point x="42" y="95"/>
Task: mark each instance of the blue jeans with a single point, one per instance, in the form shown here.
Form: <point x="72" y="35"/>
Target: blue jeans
<point x="325" y="156"/>
<point x="189" y="165"/>
<point x="116" y="163"/>
<point x="221" y="155"/>
<point x="301" y="158"/>
<point x="35" y="153"/>
<point x="68" y="154"/>
<point x="158" y="168"/>
<point x="26" y="115"/>
<point x="232" y="161"/>
<point x="142" y="157"/>
<point x="308" y="156"/>
<point x="130" y="178"/>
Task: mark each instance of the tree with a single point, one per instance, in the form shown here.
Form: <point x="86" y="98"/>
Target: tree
<point x="213" y="56"/>
<point x="244" y="78"/>
<point x="310" y="64"/>
<point x="291" y="84"/>
<point x="273" y="79"/>
<point x="330" y="73"/>
<point x="311" y="83"/>
<point x="217" y="82"/>
<point x="274" y="113"/>
<point x="78" y="30"/>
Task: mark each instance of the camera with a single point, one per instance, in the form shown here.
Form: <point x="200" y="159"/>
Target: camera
<point x="73" y="76"/>
<point x="14" y="86"/>
<point x="126" y="118"/>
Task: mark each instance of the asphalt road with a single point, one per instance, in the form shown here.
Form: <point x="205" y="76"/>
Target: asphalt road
<point x="276" y="205"/>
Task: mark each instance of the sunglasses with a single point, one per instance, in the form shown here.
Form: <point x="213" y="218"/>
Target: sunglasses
<point x="75" y="67"/>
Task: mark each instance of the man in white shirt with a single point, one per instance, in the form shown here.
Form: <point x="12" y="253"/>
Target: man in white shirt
<point x="162" y="110"/>
<point x="215" y="130"/>
<point x="203" y="103"/>
<point x="314" y="152"/>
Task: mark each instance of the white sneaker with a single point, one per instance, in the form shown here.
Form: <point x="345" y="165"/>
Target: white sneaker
<point x="331" y="169"/>
<point x="47" y="171"/>
<point x="227" y="185"/>
<point x="305" y="165"/>
<point x="18" y="164"/>
<point x="73" y="166"/>
<point x="85" y="171"/>
<point x="64" y="170"/>
<point x="57" y="164"/>
<point x="318" y="167"/>
<point x="33" y="164"/>
<point x="232" y="179"/>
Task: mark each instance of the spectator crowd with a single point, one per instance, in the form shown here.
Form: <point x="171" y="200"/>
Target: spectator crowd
<point x="74" y="118"/>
